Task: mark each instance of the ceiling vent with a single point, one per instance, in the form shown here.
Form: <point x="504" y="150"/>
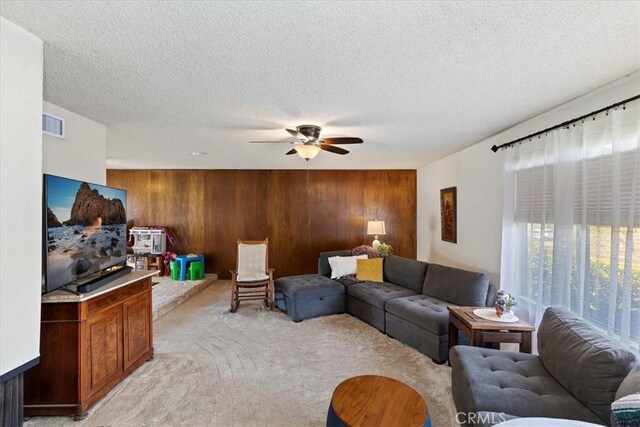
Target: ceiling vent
<point x="52" y="125"/>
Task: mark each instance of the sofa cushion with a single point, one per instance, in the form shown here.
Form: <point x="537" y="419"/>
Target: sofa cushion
<point x="631" y="383"/>
<point x="422" y="310"/>
<point x="460" y="287"/>
<point x="342" y="266"/>
<point x="377" y="294"/>
<point x="405" y="272"/>
<point x="514" y="383"/>
<point x="324" y="268"/>
<point x="626" y="411"/>
<point x="346" y="281"/>
<point x="369" y="270"/>
<point x="587" y="364"/>
<point x="366" y="250"/>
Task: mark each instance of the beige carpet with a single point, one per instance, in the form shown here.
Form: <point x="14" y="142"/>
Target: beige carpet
<point x="168" y="293"/>
<point x="257" y="368"/>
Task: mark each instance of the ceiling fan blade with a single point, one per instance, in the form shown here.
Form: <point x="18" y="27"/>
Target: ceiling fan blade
<point x="332" y="149"/>
<point x="273" y="142"/>
<point x="294" y="133"/>
<point x="342" y="140"/>
<point x="293" y="151"/>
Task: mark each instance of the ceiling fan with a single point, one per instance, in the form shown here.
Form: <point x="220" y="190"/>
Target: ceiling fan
<point x="308" y="142"/>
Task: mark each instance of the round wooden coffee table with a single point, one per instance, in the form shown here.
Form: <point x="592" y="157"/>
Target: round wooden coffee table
<point x="373" y="400"/>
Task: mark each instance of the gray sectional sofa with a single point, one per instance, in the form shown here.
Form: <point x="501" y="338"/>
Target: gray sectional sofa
<point x="410" y="305"/>
<point x="576" y="375"/>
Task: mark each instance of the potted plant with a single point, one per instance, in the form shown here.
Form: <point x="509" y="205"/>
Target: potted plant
<point x="509" y="303"/>
<point x="385" y="249"/>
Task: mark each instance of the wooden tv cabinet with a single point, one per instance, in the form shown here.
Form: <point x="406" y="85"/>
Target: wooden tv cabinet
<point x="88" y="344"/>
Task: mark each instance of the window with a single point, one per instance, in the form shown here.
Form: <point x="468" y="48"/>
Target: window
<point x="572" y="223"/>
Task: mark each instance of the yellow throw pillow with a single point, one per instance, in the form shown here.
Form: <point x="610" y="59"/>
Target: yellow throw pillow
<point x="370" y="270"/>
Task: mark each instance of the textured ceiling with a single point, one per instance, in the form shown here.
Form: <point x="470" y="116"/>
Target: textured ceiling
<point x="416" y="81"/>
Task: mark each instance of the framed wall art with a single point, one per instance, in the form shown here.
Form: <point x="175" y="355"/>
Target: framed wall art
<point x="448" y="216"/>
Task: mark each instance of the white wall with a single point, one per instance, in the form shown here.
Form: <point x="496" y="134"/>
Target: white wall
<point x="21" y="62"/>
<point x="477" y="173"/>
<point x="82" y="154"/>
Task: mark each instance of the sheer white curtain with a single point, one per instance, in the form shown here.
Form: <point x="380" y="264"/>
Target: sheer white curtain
<point x="571" y="233"/>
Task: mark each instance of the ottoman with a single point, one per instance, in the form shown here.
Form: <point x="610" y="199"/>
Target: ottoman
<point x="309" y="295"/>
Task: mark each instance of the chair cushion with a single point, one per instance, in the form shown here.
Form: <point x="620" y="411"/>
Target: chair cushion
<point x="427" y="312"/>
<point x="377" y="294"/>
<point x="461" y="287"/>
<point x="308" y="286"/>
<point x="405" y="272"/>
<point x="587" y="364"/>
<point x="514" y="383"/>
<point x="252" y="262"/>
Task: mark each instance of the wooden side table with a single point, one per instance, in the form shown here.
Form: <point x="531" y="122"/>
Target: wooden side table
<point x="481" y="331"/>
<point x="374" y="400"/>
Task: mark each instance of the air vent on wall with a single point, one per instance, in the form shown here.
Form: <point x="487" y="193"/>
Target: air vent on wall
<point x="52" y="125"/>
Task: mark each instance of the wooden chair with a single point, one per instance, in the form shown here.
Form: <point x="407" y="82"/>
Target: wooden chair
<point x="253" y="279"/>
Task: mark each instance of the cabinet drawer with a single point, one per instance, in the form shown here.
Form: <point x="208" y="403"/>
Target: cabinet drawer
<point x="101" y="302"/>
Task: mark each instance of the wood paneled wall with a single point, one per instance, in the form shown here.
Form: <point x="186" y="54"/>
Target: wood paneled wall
<point x="301" y="212"/>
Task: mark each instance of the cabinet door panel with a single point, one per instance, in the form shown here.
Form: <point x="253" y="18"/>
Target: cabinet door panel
<point x="104" y="335"/>
<point x="137" y="328"/>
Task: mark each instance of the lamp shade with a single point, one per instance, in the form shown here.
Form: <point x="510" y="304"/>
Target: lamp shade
<point x="307" y="151"/>
<point x="375" y="228"/>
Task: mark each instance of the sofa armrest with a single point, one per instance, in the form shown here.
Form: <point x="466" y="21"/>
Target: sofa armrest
<point x="491" y="295"/>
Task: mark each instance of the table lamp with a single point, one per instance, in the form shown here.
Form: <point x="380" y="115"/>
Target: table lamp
<point x="375" y="228"/>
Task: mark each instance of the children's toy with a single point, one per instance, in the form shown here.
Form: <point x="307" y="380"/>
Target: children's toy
<point x="168" y="257"/>
<point x="149" y="240"/>
<point x="195" y="270"/>
<point x="175" y="270"/>
<point x="185" y="260"/>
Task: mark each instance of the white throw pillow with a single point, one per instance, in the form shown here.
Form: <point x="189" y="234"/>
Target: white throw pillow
<point x="344" y="265"/>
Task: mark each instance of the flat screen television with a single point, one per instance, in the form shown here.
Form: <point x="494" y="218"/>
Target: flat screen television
<point x="85" y="232"/>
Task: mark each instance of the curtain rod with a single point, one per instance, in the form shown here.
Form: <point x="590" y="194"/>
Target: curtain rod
<point x="495" y="148"/>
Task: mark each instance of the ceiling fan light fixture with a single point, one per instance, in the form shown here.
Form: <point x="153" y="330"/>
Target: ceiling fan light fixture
<point x="308" y="143"/>
<point x="307" y="151"/>
<point x="309" y="133"/>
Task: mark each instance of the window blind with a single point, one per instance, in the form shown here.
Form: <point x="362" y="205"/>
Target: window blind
<point x="595" y="180"/>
